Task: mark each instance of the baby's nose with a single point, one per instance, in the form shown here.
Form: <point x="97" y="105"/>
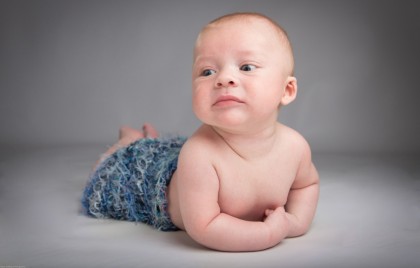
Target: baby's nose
<point x="229" y="83"/>
<point x="226" y="79"/>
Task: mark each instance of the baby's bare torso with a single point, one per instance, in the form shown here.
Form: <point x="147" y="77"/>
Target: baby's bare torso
<point x="247" y="187"/>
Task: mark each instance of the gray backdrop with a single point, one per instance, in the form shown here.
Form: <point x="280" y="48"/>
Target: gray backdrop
<point x="72" y="72"/>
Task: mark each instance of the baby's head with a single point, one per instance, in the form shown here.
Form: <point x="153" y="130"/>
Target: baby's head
<point x="246" y="59"/>
<point x="246" y="18"/>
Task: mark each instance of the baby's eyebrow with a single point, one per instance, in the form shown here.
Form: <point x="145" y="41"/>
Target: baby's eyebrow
<point x="253" y="55"/>
<point x="202" y="59"/>
<point x="248" y="52"/>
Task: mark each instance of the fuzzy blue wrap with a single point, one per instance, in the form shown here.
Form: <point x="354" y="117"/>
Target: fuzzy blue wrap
<point x="131" y="183"/>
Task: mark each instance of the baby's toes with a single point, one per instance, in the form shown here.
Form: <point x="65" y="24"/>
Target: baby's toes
<point x="130" y="133"/>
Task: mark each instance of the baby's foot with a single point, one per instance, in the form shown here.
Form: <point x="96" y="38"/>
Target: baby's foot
<point x="127" y="135"/>
<point x="130" y="134"/>
<point x="149" y="131"/>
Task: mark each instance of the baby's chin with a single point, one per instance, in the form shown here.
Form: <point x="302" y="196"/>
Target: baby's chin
<point x="236" y="126"/>
<point x="229" y="119"/>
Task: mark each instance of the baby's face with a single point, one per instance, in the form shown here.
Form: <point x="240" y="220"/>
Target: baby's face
<point x="239" y="73"/>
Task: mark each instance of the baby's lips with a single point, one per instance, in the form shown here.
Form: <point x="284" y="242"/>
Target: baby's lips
<point x="224" y="98"/>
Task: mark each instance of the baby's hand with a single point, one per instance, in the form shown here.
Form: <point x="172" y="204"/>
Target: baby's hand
<point x="278" y="222"/>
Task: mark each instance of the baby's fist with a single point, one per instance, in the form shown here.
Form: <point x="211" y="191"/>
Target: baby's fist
<point x="277" y="222"/>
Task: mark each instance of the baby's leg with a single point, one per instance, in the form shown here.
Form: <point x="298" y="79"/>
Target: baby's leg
<point x="128" y="135"/>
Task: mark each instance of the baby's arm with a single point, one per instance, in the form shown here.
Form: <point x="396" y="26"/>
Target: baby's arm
<point x="198" y="189"/>
<point x="303" y="196"/>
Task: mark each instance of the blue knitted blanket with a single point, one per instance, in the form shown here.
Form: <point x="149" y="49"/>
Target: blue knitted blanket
<point x="131" y="183"/>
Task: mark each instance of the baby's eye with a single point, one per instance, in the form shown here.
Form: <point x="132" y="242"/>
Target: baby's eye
<point x="248" y="67"/>
<point x="207" y="72"/>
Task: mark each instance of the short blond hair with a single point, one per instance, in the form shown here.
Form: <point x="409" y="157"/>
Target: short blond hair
<point x="247" y="16"/>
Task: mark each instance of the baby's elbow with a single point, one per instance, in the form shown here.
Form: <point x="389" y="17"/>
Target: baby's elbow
<point x="298" y="232"/>
<point x="195" y="233"/>
<point x="297" y="227"/>
<point x="208" y="236"/>
<point x="198" y="232"/>
<point x="202" y="237"/>
<point x="302" y="230"/>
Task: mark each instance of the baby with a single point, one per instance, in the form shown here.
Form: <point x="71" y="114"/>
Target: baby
<point x="243" y="181"/>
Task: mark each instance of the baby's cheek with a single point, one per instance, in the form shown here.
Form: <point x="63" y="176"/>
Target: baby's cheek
<point x="201" y="102"/>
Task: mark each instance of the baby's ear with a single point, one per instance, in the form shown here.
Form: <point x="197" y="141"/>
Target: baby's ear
<point x="290" y="91"/>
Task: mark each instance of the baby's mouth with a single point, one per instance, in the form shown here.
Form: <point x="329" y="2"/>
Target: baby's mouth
<point x="226" y="100"/>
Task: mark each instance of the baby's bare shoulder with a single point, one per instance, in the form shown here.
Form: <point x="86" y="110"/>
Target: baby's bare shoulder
<point x="201" y="145"/>
<point x="294" y="139"/>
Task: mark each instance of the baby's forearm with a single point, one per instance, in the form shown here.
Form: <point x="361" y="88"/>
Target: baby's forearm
<point x="227" y="233"/>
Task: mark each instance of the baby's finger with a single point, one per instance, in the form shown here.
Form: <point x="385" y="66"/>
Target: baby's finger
<point x="268" y="212"/>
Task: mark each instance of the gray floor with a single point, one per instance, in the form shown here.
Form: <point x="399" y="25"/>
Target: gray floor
<point x="368" y="216"/>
